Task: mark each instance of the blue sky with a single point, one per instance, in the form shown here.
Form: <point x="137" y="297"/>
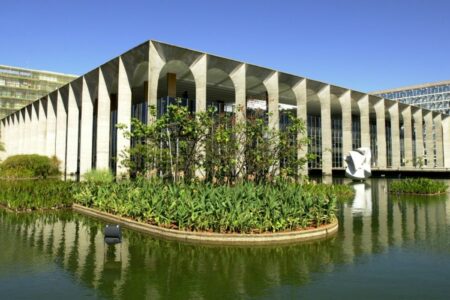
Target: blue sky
<point x="363" y="45"/>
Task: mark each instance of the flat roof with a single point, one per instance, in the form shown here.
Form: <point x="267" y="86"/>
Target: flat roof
<point x="411" y="87"/>
<point x="38" y="71"/>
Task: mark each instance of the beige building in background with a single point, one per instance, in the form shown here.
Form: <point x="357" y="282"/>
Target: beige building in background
<point x="19" y="86"/>
<point x="77" y="122"/>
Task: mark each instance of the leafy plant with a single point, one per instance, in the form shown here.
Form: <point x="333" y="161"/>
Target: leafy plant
<point x="29" y="166"/>
<point x="181" y="146"/>
<point x="36" y="194"/>
<point x="423" y="186"/>
<point x="245" y="207"/>
<point x="99" y="176"/>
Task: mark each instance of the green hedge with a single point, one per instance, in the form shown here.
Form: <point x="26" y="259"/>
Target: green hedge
<point x="29" y="166"/>
<point x="423" y="186"/>
<point x="244" y="208"/>
<point x="23" y="195"/>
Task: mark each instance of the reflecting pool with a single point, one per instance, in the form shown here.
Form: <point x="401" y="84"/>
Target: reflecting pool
<point x="387" y="247"/>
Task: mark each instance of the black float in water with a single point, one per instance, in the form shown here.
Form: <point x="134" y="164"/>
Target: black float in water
<point x="112" y="234"/>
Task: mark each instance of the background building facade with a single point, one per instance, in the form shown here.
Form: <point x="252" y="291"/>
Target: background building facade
<point x="77" y="122"/>
<point x="19" y="87"/>
<point x="433" y="96"/>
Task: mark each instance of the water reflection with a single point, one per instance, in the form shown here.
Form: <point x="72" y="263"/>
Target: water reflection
<point x="144" y="267"/>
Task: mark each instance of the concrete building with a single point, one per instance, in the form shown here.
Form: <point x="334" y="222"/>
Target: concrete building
<point x="433" y="96"/>
<point x="19" y="87"/>
<point x="77" y="121"/>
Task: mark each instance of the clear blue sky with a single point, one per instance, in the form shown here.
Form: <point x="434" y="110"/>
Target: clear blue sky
<point x="360" y="44"/>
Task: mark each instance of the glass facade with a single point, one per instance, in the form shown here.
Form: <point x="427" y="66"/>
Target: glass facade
<point x="373" y="142"/>
<point x="336" y="136"/>
<point x="433" y="97"/>
<point x="315" y="141"/>
<point x="19" y="87"/>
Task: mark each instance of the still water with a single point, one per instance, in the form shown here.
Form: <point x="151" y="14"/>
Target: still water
<point x="386" y="248"/>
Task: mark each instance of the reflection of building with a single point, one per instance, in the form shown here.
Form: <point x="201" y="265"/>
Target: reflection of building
<point x="19" y="87"/>
<point x="433" y="96"/>
<point x="77" y="122"/>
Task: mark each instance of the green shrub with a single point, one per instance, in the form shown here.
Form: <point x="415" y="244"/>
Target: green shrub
<point x="36" y="194"/>
<point x="99" y="176"/>
<point x="29" y="166"/>
<point x="418" y="186"/>
<point x="244" y="208"/>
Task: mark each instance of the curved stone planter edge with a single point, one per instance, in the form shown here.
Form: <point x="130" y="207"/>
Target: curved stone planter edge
<point x="215" y="238"/>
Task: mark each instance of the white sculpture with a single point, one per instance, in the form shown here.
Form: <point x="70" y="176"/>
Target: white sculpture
<point x="358" y="164"/>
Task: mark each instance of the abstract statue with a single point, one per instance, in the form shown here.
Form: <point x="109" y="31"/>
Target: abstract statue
<point x="358" y="164"/>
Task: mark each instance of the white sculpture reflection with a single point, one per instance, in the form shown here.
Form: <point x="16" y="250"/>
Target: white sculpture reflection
<point x="362" y="204"/>
<point x="358" y="164"/>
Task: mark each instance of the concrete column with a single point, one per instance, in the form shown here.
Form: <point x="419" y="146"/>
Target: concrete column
<point x="395" y="134"/>
<point x="381" y="133"/>
<point x="155" y="65"/>
<point x="439" y="141"/>
<point x="61" y="130"/>
<point x="87" y="119"/>
<point x="72" y="133"/>
<point x="42" y="124"/>
<point x="325" y="114"/>
<point x="199" y="70"/>
<point x="123" y="116"/>
<point x="17" y="132"/>
<point x="103" y="122"/>
<point x="51" y="125"/>
<point x="238" y="76"/>
<point x="28" y="130"/>
<point x="446" y="140"/>
<point x="301" y="95"/>
<point x="272" y="87"/>
<point x="12" y="128"/>
<point x="428" y="117"/>
<point x="34" y="130"/>
<point x="240" y="91"/>
<point x="22" y="131"/>
<point x="6" y="136"/>
<point x="363" y="105"/>
<point x="346" y="109"/>
<point x="418" y="122"/>
<point x="407" y="127"/>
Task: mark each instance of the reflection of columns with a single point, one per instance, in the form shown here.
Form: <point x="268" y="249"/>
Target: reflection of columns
<point x="363" y="105"/>
<point x="395" y="134"/>
<point x="271" y="84"/>
<point x="155" y="65"/>
<point x="61" y="130"/>
<point x="446" y="140"/>
<point x="438" y="140"/>
<point x="325" y="114"/>
<point x="51" y="124"/>
<point x="418" y="129"/>
<point x="428" y="117"/>
<point x="42" y="127"/>
<point x="346" y="110"/>
<point x="381" y="195"/>
<point x="301" y="94"/>
<point x="381" y="133"/>
<point x="87" y="115"/>
<point x="103" y="122"/>
<point x="407" y="127"/>
<point x="72" y="133"/>
<point x="123" y="115"/>
<point x="238" y="76"/>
